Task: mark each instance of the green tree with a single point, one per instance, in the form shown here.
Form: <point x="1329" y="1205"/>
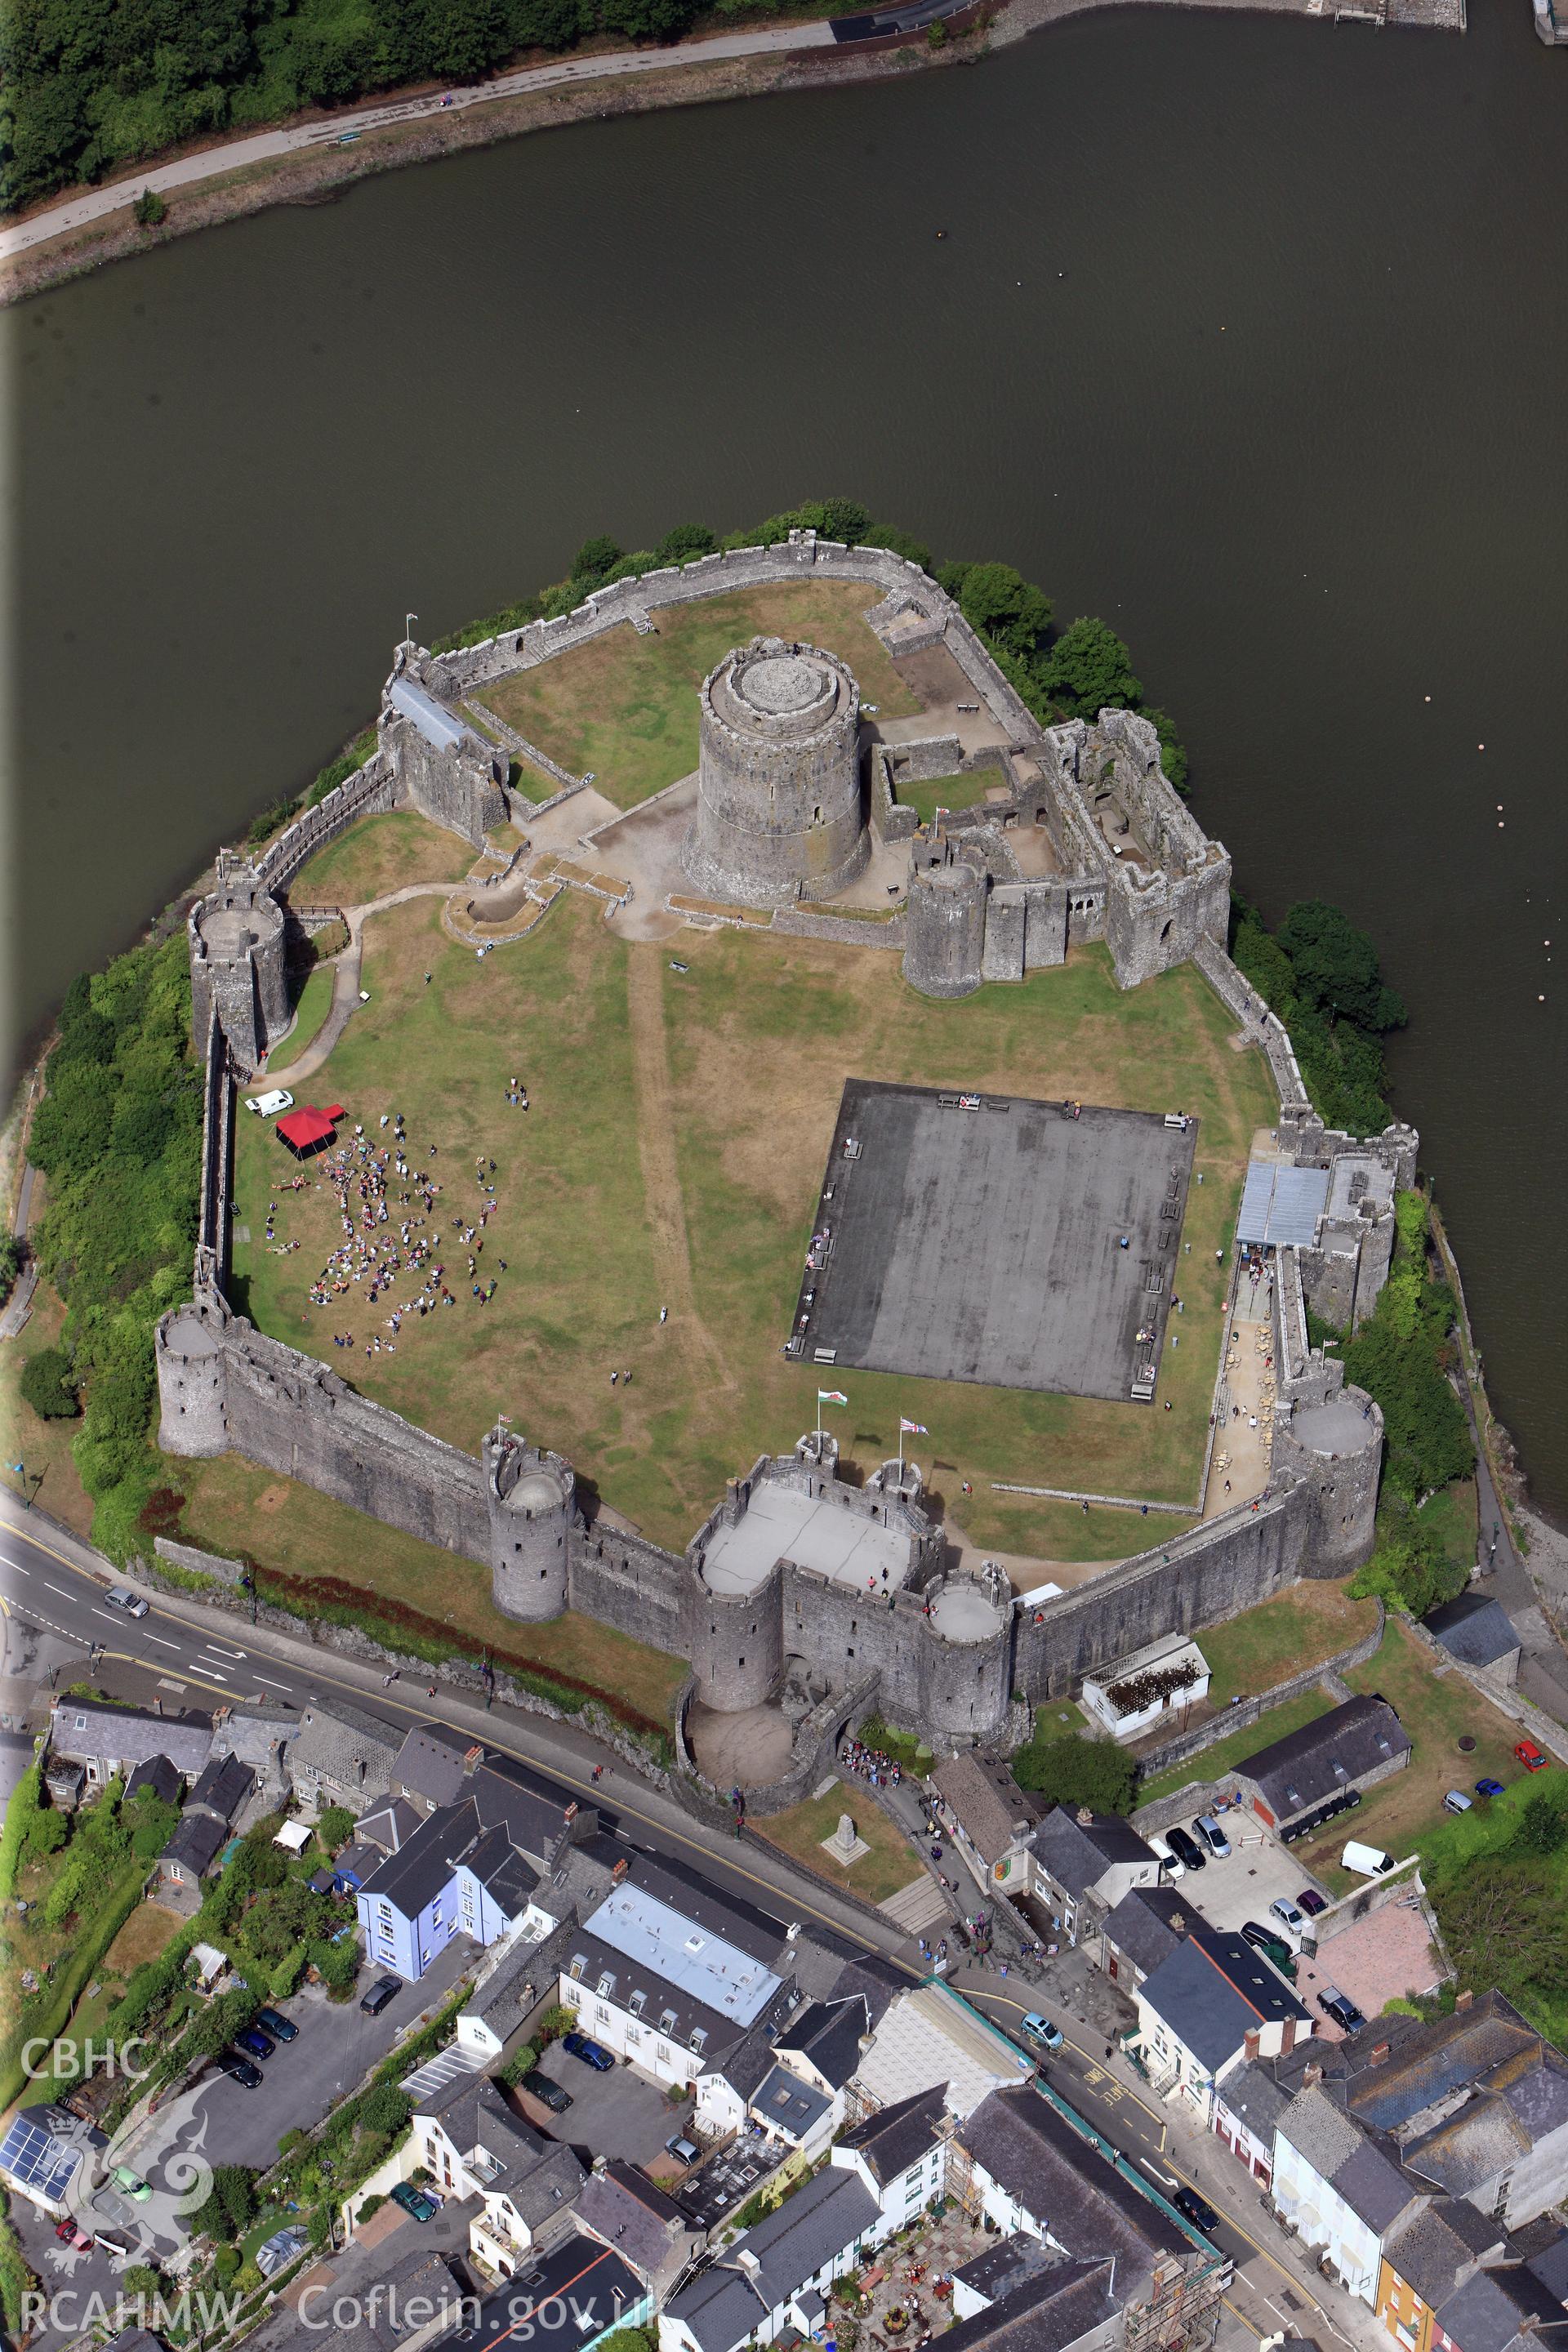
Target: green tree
<point x="334" y="1827"/>
<point x="1543" y="1819"/>
<point x="899" y="542"/>
<point x="686" y="541"/>
<point x="152" y="1822"/>
<point x="1336" y="967"/>
<point x="1501" y="1918"/>
<point x="1001" y="605"/>
<point x="1087" y="669"/>
<point x="525" y="2055"/>
<point x="150" y="209"/>
<point x="47" y="1385"/>
<point x="593" y="559"/>
<point x="1071" y="1772"/>
<point x="383" y="2108"/>
<point x="287" y="1972"/>
<point x="231" y="2203"/>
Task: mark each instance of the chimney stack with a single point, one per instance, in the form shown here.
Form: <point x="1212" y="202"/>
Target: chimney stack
<point x="1463" y="1999"/>
<point x="1312" y="2076"/>
<point x="1375" y="2057"/>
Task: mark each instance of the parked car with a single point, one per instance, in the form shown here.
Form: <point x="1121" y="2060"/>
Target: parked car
<point x="414" y="2201"/>
<point x="239" y="2069"/>
<point x="578" y="2045"/>
<point x="1273" y="1947"/>
<point x="1169" y="1863"/>
<point x="1040" y="2029"/>
<point x="1489" y="1789"/>
<point x="131" y="2184"/>
<point x="254" y="2043"/>
<point x="384" y="1990"/>
<point x="273" y="2021"/>
<point x="1206" y="1828"/>
<point x="1366" y="1861"/>
<point x="268" y="1104"/>
<point x="1195" y="2210"/>
<point x="684" y="2151"/>
<point x="1455" y="1801"/>
<point x="71" y="2233"/>
<point x="1530" y="1756"/>
<point x="1285" y="1911"/>
<point x="1185" y="1849"/>
<point x="1344" y="2010"/>
<point x="1311" y="1901"/>
<point x="549" y="2094"/>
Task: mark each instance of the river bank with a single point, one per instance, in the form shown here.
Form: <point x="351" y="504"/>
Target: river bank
<point x="202" y="189"/>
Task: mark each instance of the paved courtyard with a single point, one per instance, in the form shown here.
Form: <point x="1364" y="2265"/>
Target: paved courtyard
<point x="987" y="1244"/>
<point x="618" y="2114"/>
<point x="1385" y="1956"/>
<point x="1243" y="1887"/>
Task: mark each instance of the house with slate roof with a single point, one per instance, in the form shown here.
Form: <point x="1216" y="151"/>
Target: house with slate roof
<point x="1212" y="2005"/>
<point x="159" y="1775"/>
<point x="900" y="2154"/>
<point x="106" y="1740"/>
<point x="623" y="2208"/>
<point x="1351" y="1747"/>
<point x="1427" y="2258"/>
<point x="1480" y="1633"/>
<point x="474" y="2145"/>
<point x="1020" y="2166"/>
<point x="1247" y="2108"/>
<point x="1084" y="1863"/>
<point x="431" y="1766"/>
<point x="1339" y="2190"/>
<point x="1142" y="1930"/>
<point x="989" y="1816"/>
<point x="777" y="2276"/>
<point x="1502" y="2309"/>
<point x="340" y="1756"/>
<point x="1071" y="2306"/>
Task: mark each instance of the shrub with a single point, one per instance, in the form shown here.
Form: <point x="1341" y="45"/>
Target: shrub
<point x="334" y="1827"/>
<point x="1072" y="1771"/>
<point x="10" y="1264"/>
<point x="150" y="209"/>
<point x="524" y="2056"/>
<point x="47" y="1385"/>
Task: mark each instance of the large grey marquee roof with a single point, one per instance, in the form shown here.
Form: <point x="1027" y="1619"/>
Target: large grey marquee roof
<point x="1280" y="1206"/>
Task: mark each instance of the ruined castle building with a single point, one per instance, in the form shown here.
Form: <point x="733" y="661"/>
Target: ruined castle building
<point x="945" y="936"/>
<point x="779" y="811"/>
<point x="440" y="765"/>
<point x="236" y="939"/>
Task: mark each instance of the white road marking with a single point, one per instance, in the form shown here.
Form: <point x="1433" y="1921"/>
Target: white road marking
<point x="266" y="1679"/>
<point x="217" y="1650"/>
<point x="164" y="1684"/>
<point x="210" y="1672"/>
<point x="61" y="1589"/>
<point x="162" y="1644"/>
<point x="16" y="1568"/>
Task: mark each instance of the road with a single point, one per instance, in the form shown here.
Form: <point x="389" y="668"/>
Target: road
<point x="52" y="1580"/>
<point x="96" y="203"/>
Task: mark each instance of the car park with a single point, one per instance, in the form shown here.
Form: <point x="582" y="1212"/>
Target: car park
<point x="239" y="2069"/>
<point x="1366" y="1861"/>
<point x="384" y="1990"/>
<point x="1285" y="1911"/>
<point x="1185" y="1849"/>
<point x="254" y="2043"/>
<point x="684" y="2151"/>
<point x="1489" y="1789"/>
<point x="1036" y="2028"/>
<point x="1171" y="1864"/>
<point x="547" y="2091"/>
<point x="414" y="2201"/>
<point x="1273" y="1947"/>
<point x="1311" y="1901"/>
<point x="1195" y="2210"/>
<point x="273" y="2021"/>
<point x="1209" y="1830"/>
<point x="1530" y="1756"/>
<point x="578" y="2045"/>
<point x="1343" y="2010"/>
<point x="1455" y="1801"/>
<point x="130" y="1604"/>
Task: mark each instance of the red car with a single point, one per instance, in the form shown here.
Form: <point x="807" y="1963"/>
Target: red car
<point x="1530" y="1756"/>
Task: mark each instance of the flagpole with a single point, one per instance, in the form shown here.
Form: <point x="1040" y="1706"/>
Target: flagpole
<point x="819" y="1421"/>
<point x="901" y="1453"/>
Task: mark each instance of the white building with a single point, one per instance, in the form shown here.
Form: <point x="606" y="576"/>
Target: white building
<point x="1132" y="1696"/>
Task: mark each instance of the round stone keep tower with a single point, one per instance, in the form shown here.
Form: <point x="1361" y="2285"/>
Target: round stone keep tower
<point x="1337" y="1447"/>
<point x="190" y="1354"/>
<point x="735" y="1642"/>
<point x="235" y="939"/>
<point x="778" y="788"/>
<point x="532" y="1505"/>
<point x="944" y="933"/>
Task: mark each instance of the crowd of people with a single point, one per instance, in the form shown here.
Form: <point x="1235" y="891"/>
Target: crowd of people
<point x="873" y="1764"/>
<point x="391" y="1215"/>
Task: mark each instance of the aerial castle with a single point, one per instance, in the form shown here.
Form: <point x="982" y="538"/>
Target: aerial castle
<point x="801" y="1583"/>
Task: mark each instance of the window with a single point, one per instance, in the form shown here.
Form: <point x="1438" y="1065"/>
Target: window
<point x="637" y="2003"/>
<point x="605" y="1985"/>
<point x="579" y="1966"/>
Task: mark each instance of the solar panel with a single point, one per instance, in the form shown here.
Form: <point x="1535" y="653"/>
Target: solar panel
<point x="37" y="2160"/>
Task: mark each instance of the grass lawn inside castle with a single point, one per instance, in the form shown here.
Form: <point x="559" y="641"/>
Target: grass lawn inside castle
<point x="671" y="1157"/>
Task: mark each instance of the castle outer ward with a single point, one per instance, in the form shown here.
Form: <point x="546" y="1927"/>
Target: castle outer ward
<point x="1085" y="838"/>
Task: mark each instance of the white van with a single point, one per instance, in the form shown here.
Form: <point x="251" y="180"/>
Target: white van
<point x="1166" y="1858"/>
<point x="1366" y="1861"/>
<point x="268" y="1104"/>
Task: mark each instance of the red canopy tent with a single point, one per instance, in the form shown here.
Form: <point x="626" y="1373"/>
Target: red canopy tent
<point x="305" y="1132"/>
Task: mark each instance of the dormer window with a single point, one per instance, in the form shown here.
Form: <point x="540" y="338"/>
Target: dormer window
<point x="579" y="1966"/>
<point x="697" y="2038"/>
<point x="666" y="2021"/>
<point x="605" y="1985"/>
<point x="637" y="2003"/>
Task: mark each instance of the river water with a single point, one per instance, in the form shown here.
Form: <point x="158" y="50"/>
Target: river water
<point x="1248" y="335"/>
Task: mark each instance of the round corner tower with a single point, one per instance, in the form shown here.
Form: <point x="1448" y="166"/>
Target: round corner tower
<point x="1336" y="1447"/>
<point x="192" y="1404"/>
<point x="531" y="1498"/>
<point x="944" y="929"/>
<point x="237" y="941"/>
<point x="778" y="788"/>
